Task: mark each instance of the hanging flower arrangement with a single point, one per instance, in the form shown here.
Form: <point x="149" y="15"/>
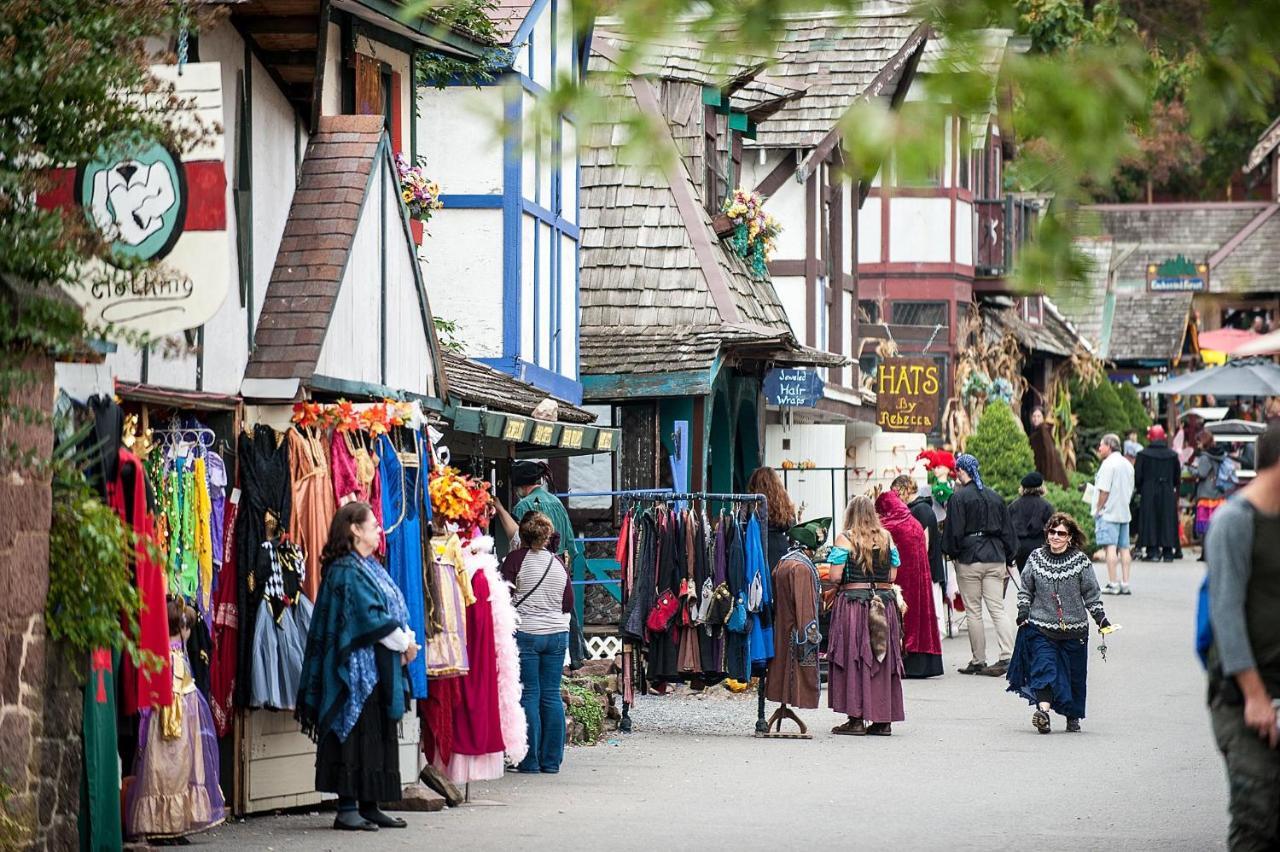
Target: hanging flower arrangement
<point x="755" y="232"/>
<point x="461" y="500"/>
<point x="377" y="418"/>
<point x="418" y="192"/>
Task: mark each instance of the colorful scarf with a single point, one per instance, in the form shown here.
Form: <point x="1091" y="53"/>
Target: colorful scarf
<point x="969" y="464"/>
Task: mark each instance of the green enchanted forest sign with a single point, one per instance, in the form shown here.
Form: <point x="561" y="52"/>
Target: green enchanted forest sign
<point x="1178" y="275"/>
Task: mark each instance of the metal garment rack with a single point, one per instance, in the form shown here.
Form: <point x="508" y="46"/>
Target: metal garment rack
<point x="663" y="495"/>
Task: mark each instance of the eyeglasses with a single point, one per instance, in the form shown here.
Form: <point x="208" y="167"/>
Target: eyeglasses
<point x="1059" y="534"/>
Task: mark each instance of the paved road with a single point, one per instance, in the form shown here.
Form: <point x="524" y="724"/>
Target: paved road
<point x="964" y="771"/>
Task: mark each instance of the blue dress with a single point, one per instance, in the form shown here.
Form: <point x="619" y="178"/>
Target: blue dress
<point x="403" y="504"/>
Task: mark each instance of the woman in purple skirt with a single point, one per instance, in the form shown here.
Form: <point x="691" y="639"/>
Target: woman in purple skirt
<point x="865" y="636"/>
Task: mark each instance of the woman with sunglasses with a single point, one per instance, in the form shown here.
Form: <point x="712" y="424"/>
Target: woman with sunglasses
<point x="1059" y="594"/>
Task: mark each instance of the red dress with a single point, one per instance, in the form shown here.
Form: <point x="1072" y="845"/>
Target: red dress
<point x="477" y="726"/>
<point x="922" y="645"/>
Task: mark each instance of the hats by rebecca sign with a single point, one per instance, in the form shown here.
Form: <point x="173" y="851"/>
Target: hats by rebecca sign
<point x="907" y="394"/>
<point x="164" y="209"/>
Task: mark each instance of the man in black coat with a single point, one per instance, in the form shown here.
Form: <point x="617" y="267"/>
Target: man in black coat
<point x="1156" y="474"/>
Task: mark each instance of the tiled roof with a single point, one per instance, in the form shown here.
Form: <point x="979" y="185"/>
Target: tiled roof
<point x="1148" y="326"/>
<point x="1253" y="264"/>
<point x="476" y="384"/>
<point x="1053" y="335"/>
<point x="647" y="265"/>
<point x="314" y="248"/>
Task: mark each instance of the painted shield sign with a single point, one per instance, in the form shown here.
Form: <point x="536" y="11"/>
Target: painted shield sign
<point x="162" y="213"/>
<point x="907" y="394"/>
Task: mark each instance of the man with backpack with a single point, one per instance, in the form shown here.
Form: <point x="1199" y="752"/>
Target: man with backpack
<point x="1243" y="552"/>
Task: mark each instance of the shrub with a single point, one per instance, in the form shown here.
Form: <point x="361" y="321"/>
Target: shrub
<point x="1002" y="448"/>
<point x="1100" y="410"/>
<point x="1072" y="502"/>
<point x="1135" y="412"/>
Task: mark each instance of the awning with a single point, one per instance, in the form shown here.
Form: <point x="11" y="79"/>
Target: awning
<point x="524" y="436"/>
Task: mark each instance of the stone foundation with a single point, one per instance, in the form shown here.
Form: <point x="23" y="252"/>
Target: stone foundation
<point x="600" y="679"/>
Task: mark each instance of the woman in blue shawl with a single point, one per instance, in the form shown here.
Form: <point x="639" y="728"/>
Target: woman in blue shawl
<point x="354" y="688"/>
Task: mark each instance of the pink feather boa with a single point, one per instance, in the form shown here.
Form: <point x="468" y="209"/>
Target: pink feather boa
<point x="515" y="733"/>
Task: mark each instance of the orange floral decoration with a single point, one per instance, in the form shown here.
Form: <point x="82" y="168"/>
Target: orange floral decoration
<point x="461" y="500"/>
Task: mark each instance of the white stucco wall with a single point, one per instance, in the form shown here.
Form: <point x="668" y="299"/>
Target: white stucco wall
<point x="331" y="96"/>
<point x="869" y="231"/>
<point x="458" y="136"/>
<point x="919" y="230"/>
<point x="462" y="266"/>
<point x="966" y="232"/>
<point x="409" y="351"/>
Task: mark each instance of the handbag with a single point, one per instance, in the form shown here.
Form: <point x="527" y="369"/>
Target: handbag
<point x="663" y="611"/>
<point x="737" y="622"/>
<point x="721" y="606"/>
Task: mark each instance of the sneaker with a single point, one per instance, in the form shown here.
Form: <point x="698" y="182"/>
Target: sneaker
<point x="1073" y="726"/>
<point x="1111" y="589"/>
<point x="1040" y="721"/>
<point x="1124" y="589"/>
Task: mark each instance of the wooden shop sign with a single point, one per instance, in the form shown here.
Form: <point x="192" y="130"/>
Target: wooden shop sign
<point x="907" y="394"/>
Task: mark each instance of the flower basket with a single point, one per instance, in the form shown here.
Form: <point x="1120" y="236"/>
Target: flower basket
<point x="420" y="194"/>
<point x="752" y="232"/>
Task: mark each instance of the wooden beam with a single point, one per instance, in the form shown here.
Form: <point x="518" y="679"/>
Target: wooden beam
<point x="322" y="57"/>
<point x="291" y="58"/>
<point x="292" y="24"/>
<point x="776" y="178"/>
<point x="285" y="87"/>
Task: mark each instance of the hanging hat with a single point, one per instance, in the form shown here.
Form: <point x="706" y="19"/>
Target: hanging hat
<point x="1033" y="480"/>
<point x="1156" y="433"/>
<point x="810" y="534"/>
<point x="527" y="472"/>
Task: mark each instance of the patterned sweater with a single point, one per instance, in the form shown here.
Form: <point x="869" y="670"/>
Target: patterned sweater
<point x="1059" y="592"/>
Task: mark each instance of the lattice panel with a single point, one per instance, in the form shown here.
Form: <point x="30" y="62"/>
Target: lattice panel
<point x="603" y="647"/>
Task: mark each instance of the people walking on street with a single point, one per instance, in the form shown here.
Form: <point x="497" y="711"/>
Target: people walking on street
<point x="1243" y="548"/>
<point x="355" y="685"/>
<point x="1029" y="513"/>
<point x="865" y="645"/>
<point x="979" y="538"/>
<point x="1156" y="475"/>
<point x="921" y="506"/>
<point x="543" y="599"/>
<point x="528" y="479"/>
<point x="922" y="644"/>
<point x="1210" y="487"/>
<point x="1048" y="459"/>
<point x="782" y="512"/>
<point x="1058" y="596"/>
<point x="1114" y="484"/>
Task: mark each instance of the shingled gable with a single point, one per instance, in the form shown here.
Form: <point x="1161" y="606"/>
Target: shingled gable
<point x="308" y="319"/>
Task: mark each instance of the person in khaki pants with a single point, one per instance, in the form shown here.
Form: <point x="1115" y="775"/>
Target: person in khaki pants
<point x="979" y="538"/>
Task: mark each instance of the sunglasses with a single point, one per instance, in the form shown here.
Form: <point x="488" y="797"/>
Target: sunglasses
<point x="1059" y="534"/>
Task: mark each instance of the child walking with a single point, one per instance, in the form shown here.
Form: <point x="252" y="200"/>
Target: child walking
<point x="175" y="788"/>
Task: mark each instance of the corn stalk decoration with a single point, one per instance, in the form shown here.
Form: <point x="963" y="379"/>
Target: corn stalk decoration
<point x="1087" y="370"/>
<point x="985" y="369"/>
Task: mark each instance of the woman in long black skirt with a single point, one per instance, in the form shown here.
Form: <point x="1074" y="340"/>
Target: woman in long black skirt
<point x="354" y="686"/>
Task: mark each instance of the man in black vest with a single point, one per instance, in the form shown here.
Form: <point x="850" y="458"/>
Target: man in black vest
<point x="1243" y="552"/>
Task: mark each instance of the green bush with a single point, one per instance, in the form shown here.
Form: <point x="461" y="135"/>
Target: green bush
<point x="1100" y="410"/>
<point x="1134" y="411"/>
<point x="1002" y="449"/>
<point x="1072" y="502"/>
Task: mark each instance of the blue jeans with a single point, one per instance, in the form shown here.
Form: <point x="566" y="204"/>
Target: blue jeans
<point x="541" y="662"/>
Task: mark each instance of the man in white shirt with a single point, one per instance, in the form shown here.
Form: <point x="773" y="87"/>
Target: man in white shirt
<point x="1114" y="484"/>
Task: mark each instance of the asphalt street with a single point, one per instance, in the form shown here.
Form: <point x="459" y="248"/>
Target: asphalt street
<point x="966" y="770"/>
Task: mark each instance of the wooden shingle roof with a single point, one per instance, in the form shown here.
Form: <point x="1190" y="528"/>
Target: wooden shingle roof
<point x="650" y="259"/>
<point x="1149" y="326"/>
<point x="479" y="385"/>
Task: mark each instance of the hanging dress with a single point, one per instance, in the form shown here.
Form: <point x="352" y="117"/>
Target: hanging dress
<point x="759" y="584"/>
<point x="664" y="650"/>
<point x="280" y="630"/>
<point x="737" y="650"/>
<point x="356" y="475"/>
<point x="265" y="490"/>
<point x="226" y="627"/>
<point x="313" y="501"/>
<point x="402" y="501"/>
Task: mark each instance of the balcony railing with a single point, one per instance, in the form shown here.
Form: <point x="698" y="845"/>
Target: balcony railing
<point x="1004" y="225"/>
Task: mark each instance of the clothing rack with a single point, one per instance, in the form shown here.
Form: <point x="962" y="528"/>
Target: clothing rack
<point x="666" y="495"/>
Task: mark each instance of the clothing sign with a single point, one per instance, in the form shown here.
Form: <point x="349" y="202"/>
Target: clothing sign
<point x="159" y="207"/>
<point x="1178" y="275"/>
<point x="796" y="388"/>
<point x="907" y="394"/>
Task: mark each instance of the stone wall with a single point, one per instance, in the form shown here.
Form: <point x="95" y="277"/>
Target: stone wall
<point x="40" y="703"/>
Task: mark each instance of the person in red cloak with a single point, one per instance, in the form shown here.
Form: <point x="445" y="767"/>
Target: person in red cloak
<point x="922" y="646"/>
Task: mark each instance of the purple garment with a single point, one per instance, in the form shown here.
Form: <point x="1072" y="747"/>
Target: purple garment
<point x="719" y="574"/>
<point x="859" y="686"/>
<point x="215" y="474"/>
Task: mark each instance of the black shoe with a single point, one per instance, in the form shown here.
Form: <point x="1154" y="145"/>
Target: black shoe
<point x="383" y="820"/>
<point x="1073" y="726"/>
<point x="1040" y="720"/>
<point x="1167" y="559"/>
<point x="352" y="821"/>
<point x="1000" y="669"/>
<point x="973" y="668"/>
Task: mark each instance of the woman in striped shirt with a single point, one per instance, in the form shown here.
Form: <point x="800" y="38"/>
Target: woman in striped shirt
<point x="543" y="599"/>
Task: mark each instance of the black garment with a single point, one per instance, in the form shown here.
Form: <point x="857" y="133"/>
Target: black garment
<point x="708" y="635"/>
<point x="1156" y="476"/>
<point x="264" y="487"/>
<point x="367" y="765"/>
<point x="1029" y="514"/>
<point x="664" y="647"/>
<point x="922" y="510"/>
<point x="199" y="654"/>
<point x="101" y="446"/>
<point x="737" y="653"/>
<point x="776" y="545"/>
<point x="978" y="527"/>
<point x="918" y="666"/>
